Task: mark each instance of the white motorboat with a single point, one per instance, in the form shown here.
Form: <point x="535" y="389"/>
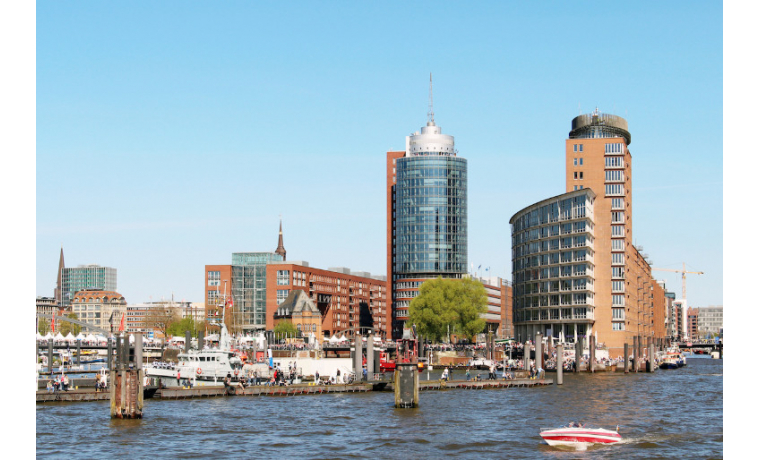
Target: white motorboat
<point x="578" y="433"/>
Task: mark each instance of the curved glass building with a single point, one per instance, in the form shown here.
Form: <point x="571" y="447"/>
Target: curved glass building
<point x="427" y="221"/>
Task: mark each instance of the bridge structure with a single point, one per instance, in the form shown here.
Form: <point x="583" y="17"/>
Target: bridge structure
<point x="702" y="345"/>
<point x="86" y="326"/>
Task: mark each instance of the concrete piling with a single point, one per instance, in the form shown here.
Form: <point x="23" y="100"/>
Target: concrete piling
<point x="126" y="392"/>
<point x="578" y="355"/>
<point x="635" y="353"/>
<point x="188" y="341"/>
<point x="79" y="352"/>
<point x="652" y="363"/>
<point x="50" y="356"/>
<point x="526" y="355"/>
<point x="539" y="352"/>
<point x="591" y="353"/>
<point x="406" y="385"/>
<point x="370" y="355"/>
<point x="560" y="362"/>
<point x="625" y="358"/>
<point x="109" y="357"/>
<point x="357" y="355"/>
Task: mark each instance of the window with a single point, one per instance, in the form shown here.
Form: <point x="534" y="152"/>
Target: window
<point x="581" y="175"/>
<point x="618" y="299"/>
<point x="283" y="277"/>
<point x="581" y="161"/>
<point x="575" y="162"/>
<point x="580" y="147"/>
<point x="613" y="162"/>
<point x="618" y="203"/>
<point x="575" y="147"/>
<point x="614" y="189"/>
<point x="617" y="258"/>
<point x="282" y="294"/>
<point x="618" y="286"/>
<point x="613" y="148"/>
<point x="618" y="230"/>
<point x="575" y="187"/>
<point x="618" y="217"/>
<point x="575" y="175"/>
<point x="618" y="326"/>
<point x="617" y="245"/>
<point x="618" y="272"/>
<point x="613" y="176"/>
<point x="214" y="278"/>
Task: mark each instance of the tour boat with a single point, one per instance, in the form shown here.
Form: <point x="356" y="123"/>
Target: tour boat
<point x="578" y="433"/>
<point x="673" y="359"/>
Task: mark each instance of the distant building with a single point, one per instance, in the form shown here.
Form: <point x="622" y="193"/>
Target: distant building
<point x="85" y="277"/>
<point x="47" y="305"/>
<point x="507" y="329"/>
<point x="339" y="294"/>
<point x="100" y="308"/>
<point x="710" y="319"/>
<point x="136" y="314"/>
<point x="299" y="309"/>
<point x="693" y="323"/>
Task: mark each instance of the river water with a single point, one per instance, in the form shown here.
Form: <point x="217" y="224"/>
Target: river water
<point x="668" y="414"/>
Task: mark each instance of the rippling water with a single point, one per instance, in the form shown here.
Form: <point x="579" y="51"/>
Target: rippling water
<point x="668" y="414"/>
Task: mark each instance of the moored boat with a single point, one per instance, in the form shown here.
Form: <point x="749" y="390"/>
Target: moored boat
<point x="577" y="433"/>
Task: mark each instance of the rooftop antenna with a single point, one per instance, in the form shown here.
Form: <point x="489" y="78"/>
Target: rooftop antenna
<point x="431" y="114"/>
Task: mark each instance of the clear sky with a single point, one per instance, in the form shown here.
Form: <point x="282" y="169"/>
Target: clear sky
<point x="171" y="134"/>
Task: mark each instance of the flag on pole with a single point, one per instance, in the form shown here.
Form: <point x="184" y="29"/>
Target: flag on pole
<point x="52" y="323"/>
<point x="121" y="324"/>
<point x="230" y="302"/>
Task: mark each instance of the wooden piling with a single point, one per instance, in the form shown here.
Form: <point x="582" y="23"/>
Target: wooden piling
<point x="560" y="362"/>
<point x="625" y="358"/>
<point x="79" y="352"/>
<point x="635" y="353"/>
<point x="406" y="385"/>
<point x="591" y="353"/>
<point x="652" y="363"/>
<point x="126" y="392"/>
<point x="50" y="356"/>
<point x="578" y="355"/>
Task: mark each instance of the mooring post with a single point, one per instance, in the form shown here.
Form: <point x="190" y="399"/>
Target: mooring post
<point x="200" y="340"/>
<point x="79" y="352"/>
<point x="625" y="358"/>
<point x="406" y="385"/>
<point x="50" y="356"/>
<point x="636" y="353"/>
<point x="560" y="362"/>
<point x="526" y="355"/>
<point x="591" y="353"/>
<point x="578" y="355"/>
<point x="653" y="364"/>
<point x="357" y="355"/>
<point x="109" y="358"/>
<point x="188" y="340"/>
<point x="370" y="355"/>
<point x="539" y="353"/>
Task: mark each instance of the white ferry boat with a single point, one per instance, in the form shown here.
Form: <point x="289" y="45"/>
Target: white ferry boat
<point x="199" y="367"/>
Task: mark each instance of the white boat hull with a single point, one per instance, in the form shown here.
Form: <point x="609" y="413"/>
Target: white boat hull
<point x="575" y="436"/>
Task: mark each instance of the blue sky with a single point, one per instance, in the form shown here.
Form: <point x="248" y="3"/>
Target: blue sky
<point x="171" y="134"/>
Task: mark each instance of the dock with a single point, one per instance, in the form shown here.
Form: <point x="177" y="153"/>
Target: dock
<point x="89" y="394"/>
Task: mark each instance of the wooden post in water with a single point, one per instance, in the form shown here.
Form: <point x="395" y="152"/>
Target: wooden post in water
<point x="652" y="363"/>
<point x="357" y="355"/>
<point x="591" y="353"/>
<point x="578" y="355"/>
<point x="625" y="358"/>
<point x="560" y="362"/>
<point x="79" y="352"/>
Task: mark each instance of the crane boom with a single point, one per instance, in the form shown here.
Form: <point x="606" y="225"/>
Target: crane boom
<point x="683" y="276"/>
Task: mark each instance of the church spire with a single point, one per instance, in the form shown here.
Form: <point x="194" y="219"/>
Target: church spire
<point x="280" y="248"/>
<point x="58" y="294"/>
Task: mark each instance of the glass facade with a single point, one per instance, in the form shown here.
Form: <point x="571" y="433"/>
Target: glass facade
<point x="553" y="266"/>
<point x="431" y="216"/>
<point x="249" y="280"/>
<point x="87" y="277"/>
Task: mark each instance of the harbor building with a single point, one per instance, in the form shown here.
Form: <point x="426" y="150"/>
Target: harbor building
<point x="426" y="187"/>
<point x="99" y="307"/>
<point x="692" y="317"/>
<point x="710" y="319"/>
<point x="300" y="310"/>
<point x="86" y="277"/>
<point x="138" y="313"/>
<point x="553" y="253"/>
<point x="622" y="300"/>
<point x="345" y="299"/>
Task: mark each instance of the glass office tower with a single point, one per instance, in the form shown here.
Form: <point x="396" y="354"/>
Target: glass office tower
<point x="249" y="281"/>
<point x="428" y="216"/>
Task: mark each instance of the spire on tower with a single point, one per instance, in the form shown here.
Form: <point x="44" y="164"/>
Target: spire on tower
<point x="431" y="114"/>
<point x="280" y="247"/>
<point x="58" y="294"/>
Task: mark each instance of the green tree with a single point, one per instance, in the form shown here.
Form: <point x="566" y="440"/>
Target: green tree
<point x="159" y="318"/>
<point x="285" y="328"/>
<point x="185" y="324"/>
<point x="67" y="327"/>
<point x="449" y="306"/>
<point x="44" y="326"/>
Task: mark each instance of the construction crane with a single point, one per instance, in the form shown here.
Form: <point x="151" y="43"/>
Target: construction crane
<point x="683" y="276"/>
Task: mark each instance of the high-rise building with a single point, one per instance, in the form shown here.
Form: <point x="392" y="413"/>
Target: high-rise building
<point x="426" y="216"/>
<point x="85" y="277"/>
<point x="710" y="319"/>
<point x="603" y="282"/>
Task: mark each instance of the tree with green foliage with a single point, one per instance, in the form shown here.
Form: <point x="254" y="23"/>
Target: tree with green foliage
<point x="285" y="328"/>
<point x="159" y="318"/>
<point x="178" y="328"/>
<point x="448" y="306"/>
<point x="67" y="327"/>
<point x="44" y="326"/>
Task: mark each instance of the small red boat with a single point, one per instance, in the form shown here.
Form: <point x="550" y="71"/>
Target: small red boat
<point x="577" y="433"/>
